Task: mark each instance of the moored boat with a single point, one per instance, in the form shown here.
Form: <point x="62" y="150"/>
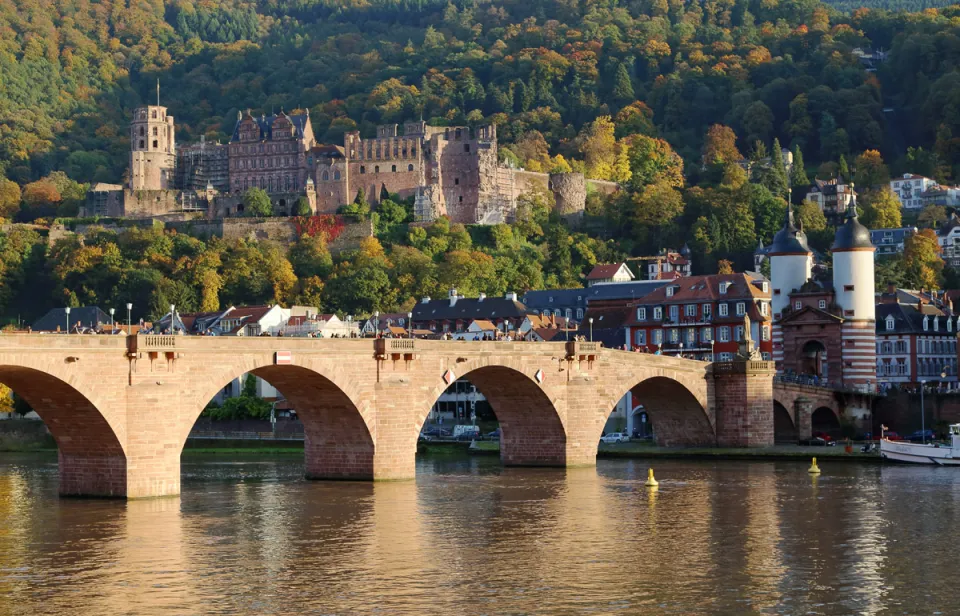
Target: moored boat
<point x="938" y="454"/>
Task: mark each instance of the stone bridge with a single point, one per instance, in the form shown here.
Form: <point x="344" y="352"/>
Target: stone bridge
<point x="801" y="410"/>
<point x="120" y="408"/>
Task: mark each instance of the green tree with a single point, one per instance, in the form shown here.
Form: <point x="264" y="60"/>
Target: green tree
<point x="843" y="169"/>
<point x="622" y="86"/>
<point x="798" y="175"/>
<point x="256" y="202"/>
<point x="302" y="207"/>
<point x="775" y="177"/>
<point x="9" y="198"/>
<point x="653" y="161"/>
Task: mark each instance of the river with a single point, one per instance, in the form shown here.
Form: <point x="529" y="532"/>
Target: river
<point x="249" y="536"/>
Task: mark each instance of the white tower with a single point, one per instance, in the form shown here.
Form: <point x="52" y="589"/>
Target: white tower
<point x="791" y="264"/>
<point x="152" y="148"/>
<point x="853" y="282"/>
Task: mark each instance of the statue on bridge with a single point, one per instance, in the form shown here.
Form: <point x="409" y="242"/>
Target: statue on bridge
<point x="747" y="351"/>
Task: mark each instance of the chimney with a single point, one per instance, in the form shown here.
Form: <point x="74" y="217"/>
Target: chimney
<point x="481" y="297"/>
<point x="511" y="296"/>
<point x="453" y="297"/>
<point x="425" y="300"/>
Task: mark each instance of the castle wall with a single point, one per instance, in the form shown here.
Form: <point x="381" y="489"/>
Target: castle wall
<point x="569" y="192"/>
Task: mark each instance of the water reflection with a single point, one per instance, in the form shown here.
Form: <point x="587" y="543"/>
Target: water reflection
<point x="249" y="536"/>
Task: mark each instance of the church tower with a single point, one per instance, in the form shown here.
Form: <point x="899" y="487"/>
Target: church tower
<point x="152" y="148"/>
<point x="853" y="283"/>
<point x="791" y="265"/>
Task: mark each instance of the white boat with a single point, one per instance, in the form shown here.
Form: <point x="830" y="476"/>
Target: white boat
<point x="919" y="453"/>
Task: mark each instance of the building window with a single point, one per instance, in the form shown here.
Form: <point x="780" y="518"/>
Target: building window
<point x="848" y="287"/>
<point x="336" y="175"/>
<point x="141" y="144"/>
<point x="724" y="334"/>
<point x="707" y="312"/>
<point x="738" y="333"/>
<point x="669" y="291"/>
<point x="410" y="167"/>
<point x="674" y="313"/>
<point x="763" y="308"/>
<point x="724" y="310"/>
<point x="657" y="336"/>
<point x="393" y="168"/>
<point x="579" y="314"/>
<point x="797" y="305"/>
<point x="776" y="291"/>
<point x="658" y="313"/>
<point x="726" y="356"/>
<point x="706" y="334"/>
<point x="326" y="176"/>
<point x="376" y="169"/>
<point x="741" y="309"/>
<point x="641" y="314"/>
<point x="674" y="336"/>
<point x="890" y="323"/>
<point x="362" y="169"/>
<point x="154" y="143"/>
<point x="848" y="313"/>
<point x="764" y="333"/>
<point x="155" y="132"/>
<point x="822" y="304"/>
<point x="690" y="310"/>
<point x="641" y="337"/>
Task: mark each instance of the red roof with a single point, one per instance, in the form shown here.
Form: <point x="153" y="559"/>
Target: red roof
<point x="604" y="271"/>
<point x="254" y="313"/>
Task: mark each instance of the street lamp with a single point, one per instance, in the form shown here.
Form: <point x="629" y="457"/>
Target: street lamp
<point x="129" y="308"/>
<point x="591" y="328"/>
<point x="712" y="356"/>
<point x="410" y="323"/>
<point x="112" y="310"/>
<point x="923" y="428"/>
<point x="67" y="310"/>
<point x="681" y="351"/>
<point x="376" y="324"/>
<point x="173" y="309"/>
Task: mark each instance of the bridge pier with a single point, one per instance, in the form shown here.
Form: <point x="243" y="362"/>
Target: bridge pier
<point x="743" y="394"/>
<point x="803" y="417"/>
<point x="93" y="473"/>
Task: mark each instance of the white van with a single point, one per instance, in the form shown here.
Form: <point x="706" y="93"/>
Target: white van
<point x="465" y="431"/>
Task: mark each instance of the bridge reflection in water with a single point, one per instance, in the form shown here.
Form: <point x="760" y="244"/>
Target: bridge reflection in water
<point x="472" y="537"/>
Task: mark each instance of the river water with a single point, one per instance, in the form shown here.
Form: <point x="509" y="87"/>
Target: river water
<point x="249" y="536"/>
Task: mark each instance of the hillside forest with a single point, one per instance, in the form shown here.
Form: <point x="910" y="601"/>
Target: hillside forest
<point x="688" y="105"/>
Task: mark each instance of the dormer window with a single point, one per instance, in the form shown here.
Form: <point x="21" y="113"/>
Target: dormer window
<point x="890" y="323"/>
<point x="936" y="324"/>
<point x="926" y="323"/>
<point x="765" y="287"/>
<point x="949" y="325"/>
<point x="641" y="314"/>
<point x="741" y="309"/>
<point x="723" y="287"/>
<point x="669" y="291"/>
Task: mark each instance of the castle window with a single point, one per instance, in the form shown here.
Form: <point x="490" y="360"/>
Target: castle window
<point x="336" y="175"/>
<point x="376" y="169"/>
<point x="466" y="147"/>
<point x="154" y="113"/>
<point x="456" y="181"/>
<point x="326" y="176"/>
<point x="141" y="144"/>
<point x="409" y="167"/>
<point x="154" y="143"/>
<point x="413" y="152"/>
<point x="458" y="133"/>
<point x="393" y="168"/>
<point x="155" y="133"/>
<point x="460" y="199"/>
<point x="141" y="131"/>
<point x="363" y="169"/>
<point x="822" y="304"/>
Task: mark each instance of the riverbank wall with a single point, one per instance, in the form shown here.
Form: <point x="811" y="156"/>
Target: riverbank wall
<point x="25" y="435"/>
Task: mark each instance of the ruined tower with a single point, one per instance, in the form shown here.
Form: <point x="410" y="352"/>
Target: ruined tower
<point x="152" y="149"/>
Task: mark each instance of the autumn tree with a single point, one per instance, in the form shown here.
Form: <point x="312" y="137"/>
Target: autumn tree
<point x="881" y="209"/>
<point x="9" y="198"/>
<point x="720" y="146"/>
<point x="652" y="161"/>
<point x="921" y="259"/>
<point x="870" y="170"/>
<point x="598" y="145"/>
<point x="724" y="266"/>
<point x="932" y="216"/>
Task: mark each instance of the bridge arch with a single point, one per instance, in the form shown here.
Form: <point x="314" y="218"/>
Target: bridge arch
<point x="532" y="430"/>
<point x="339" y="439"/>
<point x="676" y="403"/>
<point x="91" y="455"/>
<point x="825" y="419"/>
<point x="784" y="428"/>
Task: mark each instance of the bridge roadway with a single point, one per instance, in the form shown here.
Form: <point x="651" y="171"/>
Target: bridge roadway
<point x="120" y="408"/>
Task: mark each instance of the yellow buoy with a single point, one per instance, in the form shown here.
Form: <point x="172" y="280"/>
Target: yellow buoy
<point x="814" y="469"/>
<point x="651" y="482"/>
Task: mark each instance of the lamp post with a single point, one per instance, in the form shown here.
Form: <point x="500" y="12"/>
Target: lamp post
<point x="173" y="308"/>
<point x="923" y="428"/>
<point x="713" y="357"/>
<point x="410" y="323"/>
<point x="376" y="324"/>
<point x="112" y="310"/>
<point x="129" y="308"/>
<point x="67" y="310"/>
<point x="681" y="351"/>
<point x="591" y="328"/>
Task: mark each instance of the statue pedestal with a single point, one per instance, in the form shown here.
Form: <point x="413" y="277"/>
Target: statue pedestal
<point x="743" y="394"/>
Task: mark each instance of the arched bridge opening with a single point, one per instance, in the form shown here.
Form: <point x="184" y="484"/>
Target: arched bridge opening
<point x="824" y="421"/>
<point x="337" y="441"/>
<point x="505" y="405"/>
<point x="91" y="457"/>
<point x="784" y="430"/>
<point x="676" y="416"/>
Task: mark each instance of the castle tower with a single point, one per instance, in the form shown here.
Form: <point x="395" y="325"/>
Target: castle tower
<point x="791" y="264"/>
<point x="152" y="149"/>
<point x="853" y="283"/>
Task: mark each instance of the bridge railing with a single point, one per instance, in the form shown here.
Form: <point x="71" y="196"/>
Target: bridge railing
<point x="141" y="343"/>
<point x="742" y="367"/>
<point x="395" y="346"/>
<point x="581" y="349"/>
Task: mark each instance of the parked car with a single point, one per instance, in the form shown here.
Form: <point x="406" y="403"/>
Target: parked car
<point x="824" y="436"/>
<point x="921" y="435"/>
<point x="435" y="432"/>
<point x="891" y="435"/>
<point x="816" y="442"/>
<point x="614" y="437"/>
<point x="494" y="435"/>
